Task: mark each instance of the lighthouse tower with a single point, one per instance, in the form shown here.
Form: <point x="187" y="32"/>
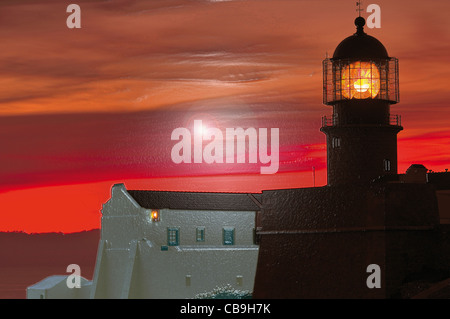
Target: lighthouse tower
<point x="360" y="82"/>
<point x="353" y="238"/>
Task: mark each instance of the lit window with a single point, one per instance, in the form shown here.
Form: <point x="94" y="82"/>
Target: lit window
<point x="173" y="236"/>
<point x="228" y="235"/>
<point x="200" y="234"/>
<point x="155" y="215"/>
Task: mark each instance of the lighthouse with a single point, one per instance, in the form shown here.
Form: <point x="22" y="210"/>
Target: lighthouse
<point x="360" y="82"/>
<point x="366" y="234"/>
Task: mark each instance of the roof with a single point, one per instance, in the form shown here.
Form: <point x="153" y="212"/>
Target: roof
<point x="52" y="281"/>
<point x="441" y="180"/>
<point x="417" y="166"/>
<point x="49" y="282"/>
<point x="360" y="45"/>
<point x="196" y="200"/>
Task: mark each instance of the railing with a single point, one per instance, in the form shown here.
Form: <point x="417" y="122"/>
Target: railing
<point x="395" y="120"/>
<point x="329" y="121"/>
<point x="332" y="120"/>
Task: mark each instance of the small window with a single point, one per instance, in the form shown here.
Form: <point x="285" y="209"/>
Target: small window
<point x="188" y="280"/>
<point x="387" y="165"/>
<point x="336" y="142"/>
<point x="173" y="236"/>
<point x="228" y="235"/>
<point x="200" y="234"/>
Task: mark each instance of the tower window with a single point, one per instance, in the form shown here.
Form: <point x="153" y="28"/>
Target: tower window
<point x="336" y="142"/>
<point x="228" y="235"/>
<point x="387" y="165"/>
<point x="173" y="236"/>
<point x="200" y="234"/>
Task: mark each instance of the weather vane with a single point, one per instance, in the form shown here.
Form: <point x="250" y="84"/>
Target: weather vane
<point x="358" y="9"/>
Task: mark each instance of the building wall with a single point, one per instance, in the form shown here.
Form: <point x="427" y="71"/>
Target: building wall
<point x="443" y="197"/>
<point x="360" y="154"/>
<point x="318" y="242"/>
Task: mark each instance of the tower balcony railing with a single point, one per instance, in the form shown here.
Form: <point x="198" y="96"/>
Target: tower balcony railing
<point x="333" y="120"/>
<point x="329" y="121"/>
<point x="395" y="119"/>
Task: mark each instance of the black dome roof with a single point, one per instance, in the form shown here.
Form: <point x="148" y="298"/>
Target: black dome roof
<point x="360" y="45"/>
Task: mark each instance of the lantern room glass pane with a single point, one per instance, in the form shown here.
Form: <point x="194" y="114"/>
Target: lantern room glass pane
<point x="360" y="80"/>
<point x="345" y="79"/>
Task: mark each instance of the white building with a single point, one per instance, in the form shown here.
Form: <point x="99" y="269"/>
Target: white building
<point x="168" y="245"/>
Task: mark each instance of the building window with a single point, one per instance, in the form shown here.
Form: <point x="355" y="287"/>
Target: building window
<point x="336" y="142"/>
<point x="188" y="280"/>
<point x="228" y="235"/>
<point x="173" y="237"/>
<point x="387" y="165"/>
<point x="200" y="234"/>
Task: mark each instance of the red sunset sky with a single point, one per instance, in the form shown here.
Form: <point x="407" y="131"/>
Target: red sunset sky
<point x="82" y="109"/>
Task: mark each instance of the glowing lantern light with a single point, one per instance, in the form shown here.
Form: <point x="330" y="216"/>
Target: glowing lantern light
<point x="360" y="80"/>
<point x="155" y="215"/>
